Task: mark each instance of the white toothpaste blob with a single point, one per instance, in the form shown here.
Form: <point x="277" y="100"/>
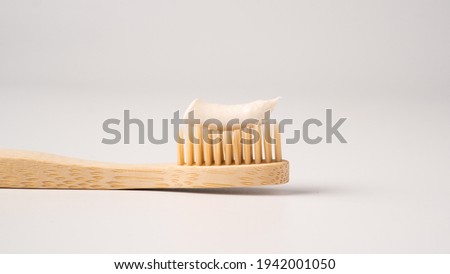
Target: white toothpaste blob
<point x="225" y="113"/>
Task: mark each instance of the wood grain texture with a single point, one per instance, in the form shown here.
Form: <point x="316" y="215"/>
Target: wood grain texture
<point x="23" y="169"/>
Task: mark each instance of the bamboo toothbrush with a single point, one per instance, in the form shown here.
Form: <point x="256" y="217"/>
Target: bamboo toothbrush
<point x="227" y="163"/>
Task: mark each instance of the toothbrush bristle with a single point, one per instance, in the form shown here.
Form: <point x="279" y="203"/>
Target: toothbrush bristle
<point x="203" y="146"/>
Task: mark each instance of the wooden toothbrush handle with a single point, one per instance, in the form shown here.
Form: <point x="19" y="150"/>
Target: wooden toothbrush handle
<point x="23" y="169"/>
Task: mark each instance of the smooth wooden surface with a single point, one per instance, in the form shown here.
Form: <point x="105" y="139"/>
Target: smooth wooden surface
<point x="23" y="169"/>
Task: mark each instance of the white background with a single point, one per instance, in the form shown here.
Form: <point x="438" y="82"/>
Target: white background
<point x="66" y="66"/>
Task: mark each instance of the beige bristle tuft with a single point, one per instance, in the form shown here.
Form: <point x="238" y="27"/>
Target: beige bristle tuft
<point x="190" y="146"/>
<point x="218" y="148"/>
<point x="208" y="148"/>
<point x="277" y="134"/>
<point x="247" y="146"/>
<point x="199" y="145"/>
<point x="258" y="148"/>
<point x="237" y="151"/>
<point x="228" y="147"/>
<point x="267" y="145"/>
<point x="180" y="146"/>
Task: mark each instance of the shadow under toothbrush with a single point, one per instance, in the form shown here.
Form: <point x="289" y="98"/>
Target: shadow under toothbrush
<point x="258" y="191"/>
